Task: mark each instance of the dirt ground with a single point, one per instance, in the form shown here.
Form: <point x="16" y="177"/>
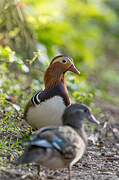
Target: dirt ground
<point x="100" y="162"/>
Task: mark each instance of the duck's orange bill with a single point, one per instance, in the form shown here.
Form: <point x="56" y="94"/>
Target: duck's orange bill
<point x="73" y="69"/>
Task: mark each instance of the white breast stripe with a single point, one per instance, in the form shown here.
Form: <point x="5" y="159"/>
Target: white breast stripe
<point x="32" y="99"/>
<point x="38" y="97"/>
<point x="35" y="99"/>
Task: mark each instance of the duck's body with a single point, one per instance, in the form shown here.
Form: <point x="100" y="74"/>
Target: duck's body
<point x="46" y="108"/>
<point x="46" y="113"/>
<point x="60" y="146"/>
<point x="54" y="147"/>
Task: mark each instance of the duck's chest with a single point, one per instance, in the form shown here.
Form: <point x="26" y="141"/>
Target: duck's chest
<point x="46" y="113"/>
<point x="80" y="150"/>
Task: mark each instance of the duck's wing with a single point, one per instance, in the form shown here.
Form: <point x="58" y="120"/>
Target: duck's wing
<point x="47" y="142"/>
<point x="59" y="138"/>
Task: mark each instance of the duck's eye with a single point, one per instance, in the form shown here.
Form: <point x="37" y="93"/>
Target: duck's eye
<point x="86" y="110"/>
<point x="64" y="61"/>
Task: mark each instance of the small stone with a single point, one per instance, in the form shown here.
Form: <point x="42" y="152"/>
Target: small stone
<point x="117" y="174"/>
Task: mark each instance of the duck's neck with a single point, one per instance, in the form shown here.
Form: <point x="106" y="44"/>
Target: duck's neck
<point x="82" y="133"/>
<point x="55" y="83"/>
<point x="52" y="77"/>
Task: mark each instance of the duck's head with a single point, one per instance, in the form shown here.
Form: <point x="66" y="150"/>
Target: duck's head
<point x="64" y="63"/>
<point x="57" y="68"/>
<point x="75" y="114"/>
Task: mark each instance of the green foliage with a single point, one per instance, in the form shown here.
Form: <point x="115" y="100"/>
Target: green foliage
<point x="74" y="27"/>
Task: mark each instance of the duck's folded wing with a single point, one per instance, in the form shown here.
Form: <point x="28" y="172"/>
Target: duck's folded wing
<point x="64" y="146"/>
<point x="47" y="140"/>
<point x="35" y="151"/>
<point x="58" y="138"/>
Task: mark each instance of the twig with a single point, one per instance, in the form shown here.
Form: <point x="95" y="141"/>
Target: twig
<point x="19" y="11"/>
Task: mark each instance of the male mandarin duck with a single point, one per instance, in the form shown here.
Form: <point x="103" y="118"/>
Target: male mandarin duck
<point x="46" y="107"/>
<point x="59" y="146"/>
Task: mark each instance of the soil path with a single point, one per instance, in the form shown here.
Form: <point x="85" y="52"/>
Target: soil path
<point x="100" y="162"/>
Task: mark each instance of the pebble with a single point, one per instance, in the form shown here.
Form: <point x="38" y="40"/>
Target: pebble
<point x="117" y="174"/>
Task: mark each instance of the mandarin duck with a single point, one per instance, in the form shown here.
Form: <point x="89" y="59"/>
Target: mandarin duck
<point x="46" y="107"/>
<point x="59" y="146"/>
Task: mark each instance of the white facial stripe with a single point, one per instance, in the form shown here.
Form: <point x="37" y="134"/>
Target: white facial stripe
<point x="61" y="58"/>
<point x="70" y="60"/>
<point x="57" y="60"/>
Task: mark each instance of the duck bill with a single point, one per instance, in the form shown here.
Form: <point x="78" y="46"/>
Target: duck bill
<point x="93" y="119"/>
<point x="73" y="69"/>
